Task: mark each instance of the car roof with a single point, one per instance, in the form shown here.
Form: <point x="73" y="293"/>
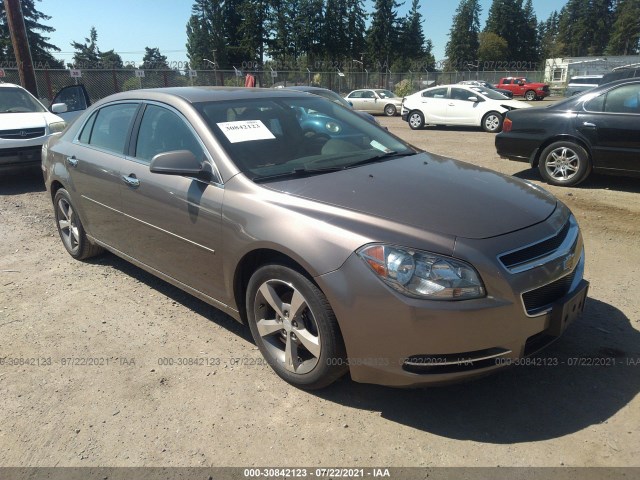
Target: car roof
<point x="306" y="88"/>
<point x="201" y="94"/>
<point x="13" y="85"/>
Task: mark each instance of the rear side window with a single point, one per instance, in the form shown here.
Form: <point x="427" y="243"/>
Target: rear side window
<point x="435" y="93"/>
<point x="86" y="130"/>
<point x="624" y="99"/>
<point x="111" y="126"/>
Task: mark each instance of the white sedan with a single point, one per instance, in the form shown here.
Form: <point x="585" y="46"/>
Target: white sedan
<point x="458" y="105"/>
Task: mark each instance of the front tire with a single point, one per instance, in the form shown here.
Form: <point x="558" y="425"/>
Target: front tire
<point x="294" y="327"/>
<point x="415" y="120"/>
<point x="564" y="164"/>
<point x="530" y="95"/>
<point x="390" y="110"/>
<point x="492" y="122"/>
<point x="70" y="228"/>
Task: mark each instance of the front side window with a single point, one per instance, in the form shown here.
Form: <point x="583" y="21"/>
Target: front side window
<point x="111" y="127"/>
<point x="624" y="99"/>
<point x="357" y="94"/>
<point x="162" y="130"/>
<point x="273" y="137"/>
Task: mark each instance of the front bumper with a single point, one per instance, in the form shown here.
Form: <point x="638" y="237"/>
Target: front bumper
<point x="400" y="341"/>
<point x="21" y="153"/>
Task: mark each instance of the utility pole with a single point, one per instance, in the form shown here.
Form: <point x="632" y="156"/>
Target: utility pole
<point x="15" y="22"/>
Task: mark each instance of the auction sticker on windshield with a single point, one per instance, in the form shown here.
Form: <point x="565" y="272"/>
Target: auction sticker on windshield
<point x="245" y="131"/>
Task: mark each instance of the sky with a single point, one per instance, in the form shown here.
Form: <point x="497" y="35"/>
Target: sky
<point x="128" y="26"/>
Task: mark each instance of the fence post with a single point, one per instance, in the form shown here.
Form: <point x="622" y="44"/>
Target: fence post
<point x="115" y="80"/>
<point x="47" y="79"/>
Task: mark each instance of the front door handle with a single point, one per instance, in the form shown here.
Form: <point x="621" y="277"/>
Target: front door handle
<point x="588" y="124"/>
<point x="72" y="161"/>
<point x="131" y="180"/>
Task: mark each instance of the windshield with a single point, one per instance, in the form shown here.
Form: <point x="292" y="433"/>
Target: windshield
<point x="276" y="136"/>
<point x="386" y="94"/>
<point x="492" y="94"/>
<point x="17" y="100"/>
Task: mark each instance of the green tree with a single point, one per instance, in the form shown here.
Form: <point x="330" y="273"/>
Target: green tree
<point x="309" y="20"/>
<point x="87" y="54"/>
<point x="414" y="51"/>
<point x="584" y="27"/>
<point x="382" y="37"/>
<point x="492" y="47"/>
<point x="39" y="44"/>
<point x="253" y="30"/>
<point x="205" y="33"/>
<point x="601" y="18"/>
<point x="550" y="46"/>
<point x="154" y="60"/>
<point x="508" y="19"/>
<point x="281" y="42"/>
<point x="463" y="43"/>
<point x="356" y="29"/>
<point x="334" y="35"/>
<point x="625" y="33"/>
<point x="529" y="44"/>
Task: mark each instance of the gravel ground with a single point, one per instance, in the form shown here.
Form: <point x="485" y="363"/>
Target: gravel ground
<point x="96" y="392"/>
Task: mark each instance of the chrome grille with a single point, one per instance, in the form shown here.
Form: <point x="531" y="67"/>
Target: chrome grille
<point x="22" y="133"/>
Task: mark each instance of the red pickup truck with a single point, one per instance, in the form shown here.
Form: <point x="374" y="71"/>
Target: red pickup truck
<point x="522" y="87"/>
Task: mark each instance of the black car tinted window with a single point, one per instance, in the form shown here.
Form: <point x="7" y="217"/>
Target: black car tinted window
<point x="624" y="99"/>
<point x="161" y="130"/>
<point x="111" y="126"/>
<point x="595" y="104"/>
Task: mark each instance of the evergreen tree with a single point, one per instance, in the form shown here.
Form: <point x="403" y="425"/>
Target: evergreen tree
<point x="281" y="43"/>
<point x="87" y="54"/>
<point x="309" y="20"/>
<point x="573" y="28"/>
<point x="625" y="33"/>
<point x="382" y="36"/>
<point x="39" y="45"/>
<point x="154" y="60"/>
<point x="335" y="39"/>
<point x="356" y="29"/>
<point x="530" y="46"/>
<point x="492" y="47"/>
<point x="507" y="19"/>
<point x="550" y="47"/>
<point x="600" y="20"/>
<point x="462" y="46"/>
<point x="253" y="30"/>
<point x="205" y="34"/>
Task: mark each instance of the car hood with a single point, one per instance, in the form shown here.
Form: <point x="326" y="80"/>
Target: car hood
<point x="434" y="193"/>
<point x="15" y="121"/>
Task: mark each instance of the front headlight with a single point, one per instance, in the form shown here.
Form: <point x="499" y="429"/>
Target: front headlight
<point x="423" y="274"/>
<point x="57" y="127"/>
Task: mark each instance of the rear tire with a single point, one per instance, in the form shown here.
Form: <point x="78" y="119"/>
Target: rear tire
<point x="415" y="120"/>
<point x="70" y="228"/>
<point x="564" y="164"/>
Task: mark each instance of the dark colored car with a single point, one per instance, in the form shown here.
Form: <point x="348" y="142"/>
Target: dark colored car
<point x="620" y="73"/>
<point x="361" y="254"/>
<point x="482" y="83"/>
<point x="598" y="130"/>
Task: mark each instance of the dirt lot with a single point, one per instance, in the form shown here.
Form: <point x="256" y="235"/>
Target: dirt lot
<point x="126" y="409"/>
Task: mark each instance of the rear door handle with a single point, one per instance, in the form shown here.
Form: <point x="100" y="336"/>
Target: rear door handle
<point x="72" y="161"/>
<point x="131" y="180"/>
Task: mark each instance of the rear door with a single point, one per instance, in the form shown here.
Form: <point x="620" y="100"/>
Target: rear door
<point x="611" y="122"/>
<point x="433" y="103"/>
<point x="94" y="161"/>
<point x="173" y="221"/>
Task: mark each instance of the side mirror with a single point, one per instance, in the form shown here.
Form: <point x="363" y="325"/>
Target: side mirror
<point x="59" y="108"/>
<point x="180" y="162"/>
<point x="473" y="99"/>
<point x="351" y="103"/>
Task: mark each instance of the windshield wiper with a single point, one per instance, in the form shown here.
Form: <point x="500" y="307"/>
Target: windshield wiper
<point x="379" y="158"/>
<point x="295" y="173"/>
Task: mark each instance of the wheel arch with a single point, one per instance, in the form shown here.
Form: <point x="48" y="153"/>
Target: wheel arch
<point x="562" y="138"/>
<point x="252" y="261"/>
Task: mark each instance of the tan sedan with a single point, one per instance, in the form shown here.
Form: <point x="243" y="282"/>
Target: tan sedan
<point x="379" y="101"/>
<point x="345" y="251"/>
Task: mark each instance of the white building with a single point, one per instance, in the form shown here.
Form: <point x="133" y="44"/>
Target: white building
<point x="558" y="71"/>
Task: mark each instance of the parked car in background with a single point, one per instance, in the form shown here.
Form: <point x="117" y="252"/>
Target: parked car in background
<point x="334" y="97"/>
<point x="464" y="105"/>
<point x="313" y="242"/>
<point x="521" y="87"/>
<point x="598" y="130"/>
<point x="619" y="73"/>
<point x="25" y="124"/>
<point x="375" y="101"/>
<point x="581" y="83"/>
<point x="487" y="85"/>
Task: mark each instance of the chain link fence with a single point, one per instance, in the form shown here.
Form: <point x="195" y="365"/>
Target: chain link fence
<point x="101" y="83"/>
